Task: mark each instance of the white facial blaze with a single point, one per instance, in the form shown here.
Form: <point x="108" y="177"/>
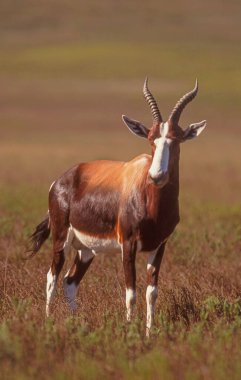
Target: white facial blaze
<point x="161" y="156"/>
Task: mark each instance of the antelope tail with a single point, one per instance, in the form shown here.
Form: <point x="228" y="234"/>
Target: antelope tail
<point x="39" y="236"/>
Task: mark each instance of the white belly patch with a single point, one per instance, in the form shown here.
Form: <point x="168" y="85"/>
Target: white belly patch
<point x="96" y="244"/>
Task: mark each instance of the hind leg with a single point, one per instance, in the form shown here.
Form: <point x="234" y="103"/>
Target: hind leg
<point x="52" y="277"/>
<point x="73" y="277"/>
<point x="62" y="240"/>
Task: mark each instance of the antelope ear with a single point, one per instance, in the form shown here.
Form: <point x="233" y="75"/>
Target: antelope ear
<point x="135" y="127"/>
<point x="194" y="130"/>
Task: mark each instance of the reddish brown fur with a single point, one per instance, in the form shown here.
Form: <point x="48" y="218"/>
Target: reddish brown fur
<point x="120" y="201"/>
<point x="110" y="199"/>
<point x="114" y="199"/>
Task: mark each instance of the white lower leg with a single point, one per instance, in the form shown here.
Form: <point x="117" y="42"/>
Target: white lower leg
<point x="50" y="289"/>
<point x="70" y="291"/>
<point x="151" y="296"/>
<point x="130" y="302"/>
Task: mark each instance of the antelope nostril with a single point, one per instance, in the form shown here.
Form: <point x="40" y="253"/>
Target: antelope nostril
<point x="160" y="178"/>
<point x="154" y="179"/>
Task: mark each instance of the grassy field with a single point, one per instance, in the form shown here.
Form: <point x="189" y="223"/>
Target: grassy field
<point x="68" y="71"/>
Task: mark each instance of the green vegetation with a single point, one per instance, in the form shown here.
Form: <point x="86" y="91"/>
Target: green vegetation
<point x="68" y="71"/>
<point x="186" y="341"/>
<point x="198" y="317"/>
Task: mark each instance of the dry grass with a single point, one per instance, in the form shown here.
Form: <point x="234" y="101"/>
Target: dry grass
<point x="68" y="71"/>
<point x="198" y="317"/>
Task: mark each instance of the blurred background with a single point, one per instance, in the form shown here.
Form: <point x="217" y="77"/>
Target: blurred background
<point x="70" y="69"/>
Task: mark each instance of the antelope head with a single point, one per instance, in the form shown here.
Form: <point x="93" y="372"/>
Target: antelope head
<point x="165" y="136"/>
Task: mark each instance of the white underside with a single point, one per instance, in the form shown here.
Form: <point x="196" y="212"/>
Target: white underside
<point x="96" y="244"/>
<point x="88" y="247"/>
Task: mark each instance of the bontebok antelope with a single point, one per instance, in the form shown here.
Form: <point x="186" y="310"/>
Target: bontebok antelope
<point x="114" y="206"/>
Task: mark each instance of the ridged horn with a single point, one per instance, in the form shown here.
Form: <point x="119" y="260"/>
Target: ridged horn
<point x="181" y="104"/>
<point x="152" y="103"/>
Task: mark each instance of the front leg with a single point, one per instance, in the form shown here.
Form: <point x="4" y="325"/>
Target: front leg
<point x="129" y="256"/>
<point x="153" y="267"/>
